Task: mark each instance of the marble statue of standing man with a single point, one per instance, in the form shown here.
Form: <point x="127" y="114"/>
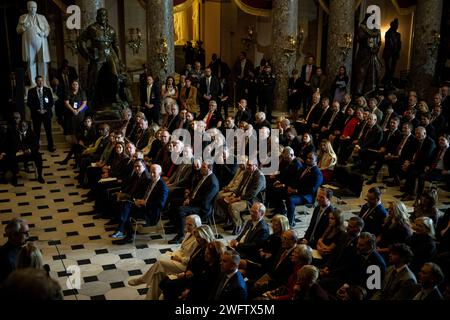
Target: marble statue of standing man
<point x="34" y="29"/>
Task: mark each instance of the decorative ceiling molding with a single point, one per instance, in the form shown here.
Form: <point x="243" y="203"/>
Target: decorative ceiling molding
<point x="251" y="10"/>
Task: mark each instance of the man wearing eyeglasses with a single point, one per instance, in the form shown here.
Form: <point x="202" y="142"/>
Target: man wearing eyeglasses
<point x="17" y="232"/>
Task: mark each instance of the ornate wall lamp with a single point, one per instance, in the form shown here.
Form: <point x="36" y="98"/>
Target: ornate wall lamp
<point x="249" y="39"/>
<point x="135" y="40"/>
<point x="72" y="42"/>
<point x="434" y="44"/>
<point x="290" y="46"/>
<point x="346" y="44"/>
<point x="163" y="52"/>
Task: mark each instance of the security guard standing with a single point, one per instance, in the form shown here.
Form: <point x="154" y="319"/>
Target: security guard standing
<point x="266" y="88"/>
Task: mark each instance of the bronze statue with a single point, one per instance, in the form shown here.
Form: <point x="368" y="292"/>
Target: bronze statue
<point x="367" y="64"/>
<point x="98" y="44"/>
<point x="391" y="52"/>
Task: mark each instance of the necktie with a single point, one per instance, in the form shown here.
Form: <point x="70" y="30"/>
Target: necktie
<point x="332" y="119"/>
<point x="362" y="131"/>
<point x="66" y="81"/>
<point x="198" y="187"/>
<point x="149" y="91"/>
<point x="208" y="119"/>
<point x="313" y="233"/>
<point x="438" y="158"/>
<point x="208" y="83"/>
<point x="367" y="213"/>
<point x="283" y="256"/>
<point x="41" y="99"/>
<point x="304" y="173"/>
<point x="149" y="191"/>
<point x="401" y="145"/>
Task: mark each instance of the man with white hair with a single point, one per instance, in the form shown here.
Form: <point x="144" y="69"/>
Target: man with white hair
<point x="17" y="232"/>
<point x="150" y="206"/>
<point x="34" y="29"/>
<point x="260" y="121"/>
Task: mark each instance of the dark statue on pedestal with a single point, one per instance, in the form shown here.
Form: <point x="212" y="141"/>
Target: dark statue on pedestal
<point x="391" y="52"/>
<point x="367" y="63"/>
<point x="98" y="44"/>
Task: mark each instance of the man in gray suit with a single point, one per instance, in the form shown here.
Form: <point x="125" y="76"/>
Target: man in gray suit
<point x="399" y="282"/>
<point x="430" y="277"/>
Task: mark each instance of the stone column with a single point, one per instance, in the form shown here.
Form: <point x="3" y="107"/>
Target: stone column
<point x="427" y="25"/>
<point x="284" y="26"/>
<point x="340" y="23"/>
<point x="88" y="14"/>
<point x="160" y="45"/>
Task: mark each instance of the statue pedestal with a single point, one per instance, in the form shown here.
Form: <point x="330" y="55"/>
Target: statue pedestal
<point x="111" y="114"/>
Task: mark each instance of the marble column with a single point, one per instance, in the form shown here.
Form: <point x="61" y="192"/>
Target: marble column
<point x="285" y="28"/>
<point x="160" y="44"/>
<point x="340" y="25"/>
<point x="427" y="26"/>
<point x="88" y="14"/>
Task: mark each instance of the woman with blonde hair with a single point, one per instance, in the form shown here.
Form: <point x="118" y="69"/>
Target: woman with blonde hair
<point x="30" y="256"/>
<point x="396" y="228"/>
<point x="326" y="160"/>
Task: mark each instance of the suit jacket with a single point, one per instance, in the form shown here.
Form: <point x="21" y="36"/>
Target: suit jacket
<point x="243" y="116"/>
<point x="303" y="73"/>
<point x="434" y="295"/>
<point x="256" y="184"/>
<point x="142" y="138"/>
<point x="397" y="285"/>
<point x="234" y="291"/>
<point x="191" y="99"/>
<point x="156" y="201"/>
<point x="137" y="185"/>
<point x="247" y="68"/>
<point x="338" y="123"/>
<point x="282" y="268"/>
<point x="254" y="239"/>
<point x="204" y="197"/>
<point x="29" y="141"/>
<point x="439" y="124"/>
<point x="289" y="172"/>
<point x="446" y="158"/>
<point x="34" y="105"/>
<point x="73" y="75"/>
<point x="391" y="141"/>
<point x="309" y="183"/>
<point x="155" y="96"/>
<point x="313" y="235"/>
<point x="372" y="139"/>
<point x="214" y="88"/>
<point x="357" y="272"/>
<point x="216" y="117"/>
<point x="373" y="222"/>
<point x="423" y="156"/>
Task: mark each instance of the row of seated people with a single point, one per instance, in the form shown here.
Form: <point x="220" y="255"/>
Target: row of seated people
<point x="329" y="262"/>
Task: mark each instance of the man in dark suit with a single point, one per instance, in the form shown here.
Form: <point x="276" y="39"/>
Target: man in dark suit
<point x="255" y="232"/>
<point x="391" y="140"/>
<point x="150" y="205"/>
<point x="151" y="100"/>
<point x="17" y="232"/>
<point x="319" y="219"/>
<point x="199" y="201"/>
<point x="369" y="142"/>
<point x="304" y="192"/>
<point x="66" y="74"/>
<point x="134" y="189"/>
<point x="213" y="118"/>
<point x="415" y="165"/>
<point x="439" y="167"/>
<point x="429" y="278"/>
<point x="25" y="147"/>
<point x="399" y="282"/>
<point x="241" y="74"/>
<point x="332" y="123"/>
<point x="243" y="113"/>
<point x="319" y="116"/>
<point x="209" y="90"/>
<point x="230" y="287"/>
<point x="40" y="102"/>
<point x="438" y="119"/>
<point x="373" y="212"/>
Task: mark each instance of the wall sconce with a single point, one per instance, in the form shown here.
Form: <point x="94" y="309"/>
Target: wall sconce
<point x="290" y="46"/>
<point x="434" y="44"/>
<point x="345" y="44"/>
<point x="163" y="52"/>
<point x="249" y="39"/>
<point x="72" y="42"/>
<point x="135" y="40"/>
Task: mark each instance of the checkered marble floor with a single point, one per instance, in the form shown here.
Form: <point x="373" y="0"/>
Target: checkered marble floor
<point x="62" y="226"/>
